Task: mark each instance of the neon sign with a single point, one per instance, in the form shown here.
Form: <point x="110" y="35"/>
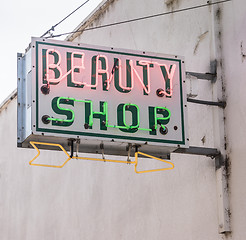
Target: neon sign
<point x="103" y="115"/>
<point x="52" y="67"/>
<point x="105" y="94"/>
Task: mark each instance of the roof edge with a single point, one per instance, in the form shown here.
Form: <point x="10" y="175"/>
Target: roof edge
<point x="89" y="19"/>
<point x="6" y="102"/>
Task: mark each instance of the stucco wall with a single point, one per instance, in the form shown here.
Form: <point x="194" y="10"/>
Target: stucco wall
<point x="89" y="200"/>
<point x="233" y="21"/>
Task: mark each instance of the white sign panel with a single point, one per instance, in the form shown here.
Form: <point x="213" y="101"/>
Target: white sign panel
<point x="106" y="94"/>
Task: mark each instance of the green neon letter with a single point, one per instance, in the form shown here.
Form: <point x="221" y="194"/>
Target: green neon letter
<point x="62" y="111"/>
<point x="121" y="117"/>
<point x="103" y="115"/>
<point x="154" y="120"/>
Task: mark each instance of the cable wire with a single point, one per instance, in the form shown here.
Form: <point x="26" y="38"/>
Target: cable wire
<point x="143" y="18"/>
<point x="53" y="27"/>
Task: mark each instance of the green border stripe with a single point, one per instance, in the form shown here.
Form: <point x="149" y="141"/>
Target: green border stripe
<point x="107" y="135"/>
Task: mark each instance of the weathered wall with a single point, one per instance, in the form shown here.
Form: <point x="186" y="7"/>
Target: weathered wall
<point x="233" y="41"/>
<point x="88" y="200"/>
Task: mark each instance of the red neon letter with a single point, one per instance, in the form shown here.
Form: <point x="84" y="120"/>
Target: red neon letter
<point x="99" y="71"/>
<point x="55" y="67"/>
<point x="168" y="77"/>
<point x="147" y="86"/>
<point x="73" y="67"/>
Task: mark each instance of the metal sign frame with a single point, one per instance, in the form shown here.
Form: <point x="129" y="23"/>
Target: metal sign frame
<point x="32" y="101"/>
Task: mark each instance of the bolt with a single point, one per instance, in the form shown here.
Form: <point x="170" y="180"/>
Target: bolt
<point x="159" y="92"/>
<point x="45" y="89"/>
<point x="163" y="131"/>
<point x="45" y="119"/>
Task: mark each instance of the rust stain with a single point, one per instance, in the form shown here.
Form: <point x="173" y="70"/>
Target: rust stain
<point x="242" y="52"/>
<point x="171" y="3"/>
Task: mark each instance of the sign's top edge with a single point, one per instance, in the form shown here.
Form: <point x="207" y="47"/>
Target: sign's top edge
<point x="110" y="49"/>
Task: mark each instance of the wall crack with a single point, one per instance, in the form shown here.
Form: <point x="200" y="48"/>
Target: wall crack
<point x="200" y="38"/>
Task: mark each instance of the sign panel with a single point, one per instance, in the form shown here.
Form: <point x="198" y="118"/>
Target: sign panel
<point x="104" y="94"/>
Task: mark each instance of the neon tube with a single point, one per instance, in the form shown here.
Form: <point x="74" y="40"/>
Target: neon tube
<point x="133" y="70"/>
<point x="105" y="111"/>
<point x="73" y="115"/>
<point x="49" y="144"/>
<point x="82" y="66"/>
<point x="99" y="71"/>
<point x="112" y="74"/>
<point x="162" y="118"/>
<point x="170" y="74"/>
<point x="146" y="89"/>
<point x="120" y="78"/>
<point x="152" y="170"/>
<point x="97" y="159"/>
<point x="53" y="65"/>
<point x="124" y="115"/>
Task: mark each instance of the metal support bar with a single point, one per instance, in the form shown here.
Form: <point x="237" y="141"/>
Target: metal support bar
<point x="70" y="143"/>
<point x="203" y="76"/>
<point x="21" y="98"/>
<point x="209" y="152"/>
<point x="221" y="104"/>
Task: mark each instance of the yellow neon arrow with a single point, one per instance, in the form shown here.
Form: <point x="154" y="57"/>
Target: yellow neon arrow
<point x="49" y="144"/>
<point x="152" y="170"/>
<point x="96" y="159"/>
